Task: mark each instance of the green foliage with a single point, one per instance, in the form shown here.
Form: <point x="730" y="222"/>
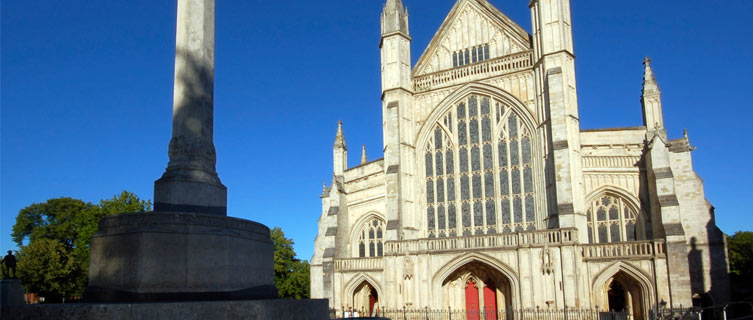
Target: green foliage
<point x="46" y="267"/>
<point x="61" y="270"/>
<point x="740" y="247"/>
<point x="291" y="275"/>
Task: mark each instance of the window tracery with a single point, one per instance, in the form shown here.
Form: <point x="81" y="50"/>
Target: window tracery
<point x="611" y="219"/>
<point x="479" y="181"/>
<point x="371" y="239"/>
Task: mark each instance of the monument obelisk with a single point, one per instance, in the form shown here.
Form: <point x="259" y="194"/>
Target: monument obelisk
<point x="190" y="183"/>
<point x="187" y="249"/>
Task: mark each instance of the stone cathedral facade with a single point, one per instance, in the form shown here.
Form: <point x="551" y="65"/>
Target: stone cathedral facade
<point x="490" y="195"/>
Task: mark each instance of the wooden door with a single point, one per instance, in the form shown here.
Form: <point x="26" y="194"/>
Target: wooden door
<point x="471" y="301"/>
<point x="490" y="302"/>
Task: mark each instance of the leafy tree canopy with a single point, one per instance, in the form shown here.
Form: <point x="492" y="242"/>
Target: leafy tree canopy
<point x="291" y="275"/>
<point x="55" y="260"/>
<point x="740" y="247"/>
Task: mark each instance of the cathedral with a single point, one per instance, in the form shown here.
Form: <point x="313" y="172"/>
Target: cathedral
<point x="491" y="197"/>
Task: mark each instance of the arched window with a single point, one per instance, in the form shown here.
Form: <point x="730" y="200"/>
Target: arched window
<point x="371" y="239"/>
<point x="479" y="171"/>
<point x="611" y="219"/>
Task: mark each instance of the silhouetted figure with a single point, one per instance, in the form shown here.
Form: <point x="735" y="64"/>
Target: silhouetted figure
<point x="9" y="264"/>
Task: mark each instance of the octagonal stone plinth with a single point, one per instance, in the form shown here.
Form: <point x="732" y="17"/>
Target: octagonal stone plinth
<point x="164" y="256"/>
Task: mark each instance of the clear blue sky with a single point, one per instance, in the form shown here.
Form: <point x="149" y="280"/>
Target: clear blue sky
<point x="87" y="94"/>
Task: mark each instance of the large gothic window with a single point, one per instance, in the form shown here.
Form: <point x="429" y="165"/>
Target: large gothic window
<point x="610" y="219"/>
<point x="371" y="239"/>
<point x="479" y="171"/>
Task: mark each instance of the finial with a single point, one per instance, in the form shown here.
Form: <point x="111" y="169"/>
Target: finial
<point x="647" y="61"/>
<point x="649" y="81"/>
<point x="685" y="133"/>
<point x="363" y="154"/>
<point x="340" y="136"/>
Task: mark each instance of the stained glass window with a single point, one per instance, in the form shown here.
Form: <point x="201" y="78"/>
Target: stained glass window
<point x="371" y="238"/>
<point x="606" y="224"/>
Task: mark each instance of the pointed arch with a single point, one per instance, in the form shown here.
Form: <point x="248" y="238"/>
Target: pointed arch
<point x="351" y="286"/>
<point x="629" y="223"/>
<point x="357" y="229"/>
<point x="459" y="262"/>
<point x="639" y="278"/>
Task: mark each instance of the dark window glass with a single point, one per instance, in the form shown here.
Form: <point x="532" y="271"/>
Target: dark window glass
<point x="613" y="213"/>
<point x="488" y="156"/>
<point x="505" y="207"/>
<point x="371" y="234"/>
<point x="502" y="154"/>
<point x="438" y="138"/>
<point x="439" y="163"/>
<point x="515" y="180"/>
<point x="517" y="206"/>
<point x="606" y="201"/>
<point x="486" y="52"/>
<point x="504" y="185"/>
<point x="614" y="230"/>
<point x="472" y="107"/>
<point x="429" y="191"/>
<point x="530" y="211"/>
<point x="514" y="153"/>
<point x="485" y="106"/>
<point x="466" y="212"/>
<point x="488" y="184"/>
<point x="379" y="249"/>
<point x="430" y="217"/>
<point x="463" y="155"/>
<point x="476" y="186"/>
<point x="474" y="54"/>
<point x="449" y="161"/>
<point x="362" y="250"/>
<point x="451" y="216"/>
<point x="467" y="57"/>
<point x="429" y="168"/>
<point x="525" y="144"/>
<point x="478" y="214"/>
<point x="451" y="189"/>
<point x="475" y="159"/>
<point x="473" y="132"/>
<point x="371" y="249"/>
<point x="465" y="190"/>
<point x="601" y="215"/>
<point x="630" y="231"/>
<point x="440" y="217"/>
<point x="512" y="126"/>
<point x="491" y="214"/>
<point x="603" y="234"/>
<point x="379" y="233"/>
<point x="462" y="136"/>
<point x="461" y="111"/>
<point x="454" y="59"/>
<point x="590" y="234"/>
<point x="486" y="130"/>
<point x="588" y="215"/>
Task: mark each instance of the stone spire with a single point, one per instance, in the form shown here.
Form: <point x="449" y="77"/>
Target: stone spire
<point x="363" y="154"/>
<point x="340" y="137"/>
<point x="190" y="183"/>
<point x="653" y="118"/>
<point x="394" y="18"/>
<point x="650" y="87"/>
<point x="340" y="151"/>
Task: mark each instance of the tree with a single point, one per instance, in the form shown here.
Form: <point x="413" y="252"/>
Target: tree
<point x="55" y="261"/>
<point x="291" y="275"/>
<point x="740" y="248"/>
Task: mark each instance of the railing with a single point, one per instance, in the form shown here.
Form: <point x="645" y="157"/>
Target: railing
<point x="480" y="70"/>
<point x="482" y="314"/>
<point x="505" y="240"/>
<point x="359" y="264"/>
<point x="624" y="250"/>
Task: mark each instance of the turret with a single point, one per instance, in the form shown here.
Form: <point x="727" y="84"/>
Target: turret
<point x="340" y="151"/>
<point x="651" y="100"/>
<point x="395" y="46"/>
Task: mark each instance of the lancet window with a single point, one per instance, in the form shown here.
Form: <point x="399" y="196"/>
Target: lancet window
<point x="610" y="219"/>
<point x="371" y="239"/>
<point x="479" y="171"/>
<point x="470" y="55"/>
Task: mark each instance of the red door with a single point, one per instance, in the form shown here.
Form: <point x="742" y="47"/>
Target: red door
<point x="471" y="301"/>
<point x="372" y="301"/>
<point x="490" y="302"/>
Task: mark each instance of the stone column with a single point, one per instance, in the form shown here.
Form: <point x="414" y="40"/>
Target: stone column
<point x="190" y="183"/>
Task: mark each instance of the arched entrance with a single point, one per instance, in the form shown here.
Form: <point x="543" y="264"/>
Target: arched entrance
<point x="480" y="290"/>
<point x="622" y="293"/>
<point x="365" y="299"/>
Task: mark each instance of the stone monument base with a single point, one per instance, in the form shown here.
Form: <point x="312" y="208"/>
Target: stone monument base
<point x="173" y="256"/>
<point x="11" y="292"/>
<point x="219" y="310"/>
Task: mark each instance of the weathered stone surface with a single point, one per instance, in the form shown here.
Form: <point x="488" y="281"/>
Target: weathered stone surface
<point x="179" y="256"/>
<point x="219" y="310"/>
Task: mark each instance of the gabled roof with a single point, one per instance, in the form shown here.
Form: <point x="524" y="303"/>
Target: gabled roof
<point x="493" y="24"/>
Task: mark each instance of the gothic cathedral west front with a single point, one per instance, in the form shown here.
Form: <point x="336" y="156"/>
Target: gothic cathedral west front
<point x="490" y="195"/>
